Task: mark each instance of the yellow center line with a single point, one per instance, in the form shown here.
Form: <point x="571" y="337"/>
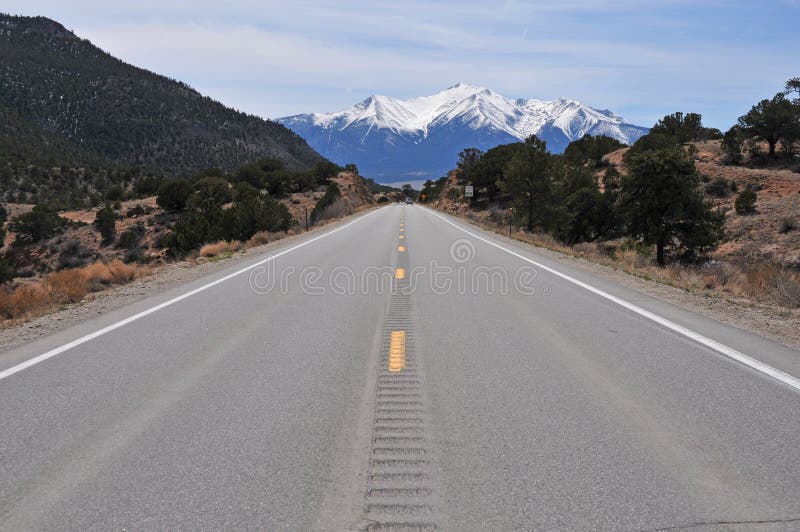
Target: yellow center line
<point x="397" y="351"/>
<point x="400" y="273"/>
<point x="402" y="237"/>
<point x="401" y="249"/>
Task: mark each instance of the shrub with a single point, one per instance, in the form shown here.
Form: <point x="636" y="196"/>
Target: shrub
<point x="263" y="237"/>
<point x="106" y="222"/>
<point x="7" y="271"/>
<point x="383" y="199"/>
<point x="336" y="210"/>
<point x="123" y="273"/>
<point x="66" y="286"/>
<point x="130" y="238"/>
<point x="719" y="188"/>
<point x="220" y="248"/>
<point x="213" y="188"/>
<point x="332" y="194"/>
<point x="252" y="214"/>
<point x="23" y="301"/>
<point x="190" y="232"/>
<point x="39" y="224"/>
<point x="137" y="210"/>
<point x="787" y="225"/>
<point x="72" y="254"/>
<point x="746" y="202"/>
<point x="173" y="195"/>
<point x="147" y="186"/>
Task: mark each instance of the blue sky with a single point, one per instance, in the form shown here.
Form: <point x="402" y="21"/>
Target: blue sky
<point x="642" y="59"/>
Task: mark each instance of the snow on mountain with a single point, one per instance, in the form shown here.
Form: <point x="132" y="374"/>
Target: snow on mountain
<point x="393" y="140"/>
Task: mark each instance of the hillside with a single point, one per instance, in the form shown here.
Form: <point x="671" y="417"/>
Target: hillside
<point x="64" y="100"/>
<point x="772" y="232"/>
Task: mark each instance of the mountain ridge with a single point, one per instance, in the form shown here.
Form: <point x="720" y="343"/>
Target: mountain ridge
<point x="64" y="86"/>
<point x="386" y="136"/>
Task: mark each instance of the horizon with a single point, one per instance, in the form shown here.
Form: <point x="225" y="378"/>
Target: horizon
<point x="275" y="61"/>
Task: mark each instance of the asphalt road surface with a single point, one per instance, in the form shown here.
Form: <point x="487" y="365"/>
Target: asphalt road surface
<point x="401" y="370"/>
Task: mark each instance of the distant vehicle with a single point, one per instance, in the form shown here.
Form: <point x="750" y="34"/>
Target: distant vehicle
<point x="409" y="201"/>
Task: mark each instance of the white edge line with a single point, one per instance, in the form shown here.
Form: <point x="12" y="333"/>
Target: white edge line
<point x="729" y="352"/>
<point x="100" y="332"/>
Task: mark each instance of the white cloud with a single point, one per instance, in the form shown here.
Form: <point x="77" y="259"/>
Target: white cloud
<point x="274" y="58"/>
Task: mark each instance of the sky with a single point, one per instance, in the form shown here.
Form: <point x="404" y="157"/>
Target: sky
<point x="640" y="58"/>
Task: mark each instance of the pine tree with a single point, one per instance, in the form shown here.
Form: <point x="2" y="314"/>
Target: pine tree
<point x="663" y="205"/>
<point x="527" y="179"/>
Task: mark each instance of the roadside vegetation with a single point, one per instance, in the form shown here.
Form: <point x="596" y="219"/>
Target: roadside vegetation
<point x="51" y="257"/>
<point x="651" y="209"/>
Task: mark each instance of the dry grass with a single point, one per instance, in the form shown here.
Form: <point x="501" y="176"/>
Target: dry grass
<point x="263" y="237"/>
<point x="220" y="248"/>
<point x="65" y="287"/>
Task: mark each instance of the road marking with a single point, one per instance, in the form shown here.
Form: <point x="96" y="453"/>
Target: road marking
<point x="397" y="351"/>
<point x="401" y="249"/>
<point x="402" y="237"/>
<point x="400" y="273"/>
<point x="82" y="340"/>
<point x="723" y="349"/>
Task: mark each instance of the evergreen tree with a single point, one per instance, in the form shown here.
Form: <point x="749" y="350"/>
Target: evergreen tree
<point x="746" y="201"/>
<point x="527" y="179"/>
<point x="467" y="160"/>
<point x="39" y="224"/>
<point x="664" y="206"/>
<point x="773" y="121"/>
<point x="106" y="222"/>
<point x="332" y="195"/>
<point x="173" y="195"/>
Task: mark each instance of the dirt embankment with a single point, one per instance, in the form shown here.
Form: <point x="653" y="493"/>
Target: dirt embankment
<point x="772" y="232"/>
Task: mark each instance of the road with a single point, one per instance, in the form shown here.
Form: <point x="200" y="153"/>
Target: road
<point x="400" y="369"/>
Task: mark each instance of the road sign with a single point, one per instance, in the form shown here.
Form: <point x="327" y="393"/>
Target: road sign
<point x="468" y="191"/>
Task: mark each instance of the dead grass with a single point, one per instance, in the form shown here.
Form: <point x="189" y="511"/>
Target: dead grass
<point x="220" y="248"/>
<point x="65" y="287"/>
<point x="263" y="237"/>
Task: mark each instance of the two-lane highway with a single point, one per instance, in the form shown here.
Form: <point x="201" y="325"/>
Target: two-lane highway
<point x="401" y="367"/>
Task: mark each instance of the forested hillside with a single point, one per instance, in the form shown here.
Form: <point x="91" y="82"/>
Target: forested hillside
<point x="65" y="103"/>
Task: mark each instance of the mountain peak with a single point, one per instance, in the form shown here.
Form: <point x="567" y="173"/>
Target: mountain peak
<point x="442" y="124"/>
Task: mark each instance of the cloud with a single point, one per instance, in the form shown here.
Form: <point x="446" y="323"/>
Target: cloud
<point x="275" y="58"/>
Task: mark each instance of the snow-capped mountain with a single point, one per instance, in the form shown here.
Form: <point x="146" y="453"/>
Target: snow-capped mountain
<point x="393" y="140"/>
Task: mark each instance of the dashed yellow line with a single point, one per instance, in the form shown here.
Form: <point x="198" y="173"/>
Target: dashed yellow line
<point x="401" y="249"/>
<point x="402" y="237"/>
<point x="400" y="273"/>
<point x="397" y="351"/>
